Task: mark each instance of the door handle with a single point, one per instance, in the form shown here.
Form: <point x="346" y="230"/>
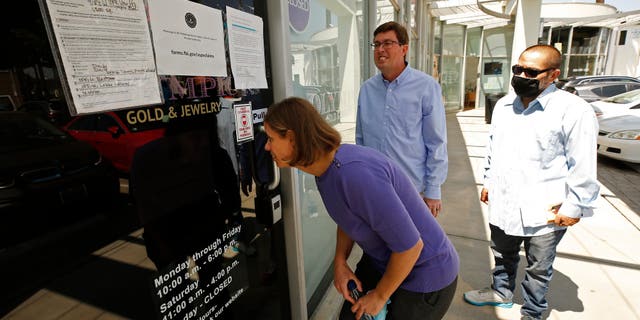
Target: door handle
<point x="276" y="171"/>
<point x="276" y="177"/>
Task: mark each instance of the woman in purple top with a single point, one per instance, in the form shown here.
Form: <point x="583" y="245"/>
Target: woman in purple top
<point x="407" y="258"/>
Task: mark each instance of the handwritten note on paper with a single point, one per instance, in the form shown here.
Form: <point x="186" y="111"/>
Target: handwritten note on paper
<point x="105" y="50"/>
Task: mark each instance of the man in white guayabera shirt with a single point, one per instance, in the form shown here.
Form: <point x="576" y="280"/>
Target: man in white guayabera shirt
<point x="540" y="178"/>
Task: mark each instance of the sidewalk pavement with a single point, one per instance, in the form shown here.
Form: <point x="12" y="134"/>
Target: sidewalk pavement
<point x="597" y="269"/>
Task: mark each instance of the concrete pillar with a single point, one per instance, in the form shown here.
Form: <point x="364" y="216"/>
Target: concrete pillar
<point x="369" y="25"/>
<point x="527" y="26"/>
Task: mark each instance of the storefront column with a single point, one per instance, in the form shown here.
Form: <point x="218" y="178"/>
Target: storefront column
<point x="369" y="24"/>
<point x="282" y="88"/>
<point x="526" y="27"/>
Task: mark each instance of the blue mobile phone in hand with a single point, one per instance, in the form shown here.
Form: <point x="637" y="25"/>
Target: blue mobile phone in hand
<point x="355" y="294"/>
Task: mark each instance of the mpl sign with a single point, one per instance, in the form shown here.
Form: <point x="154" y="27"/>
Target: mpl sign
<point x="299" y="14"/>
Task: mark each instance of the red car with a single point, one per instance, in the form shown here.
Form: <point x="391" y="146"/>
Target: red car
<point x="114" y="138"/>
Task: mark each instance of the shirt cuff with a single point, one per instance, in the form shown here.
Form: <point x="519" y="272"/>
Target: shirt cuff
<point x="570" y="210"/>
<point x="431" y="192"/>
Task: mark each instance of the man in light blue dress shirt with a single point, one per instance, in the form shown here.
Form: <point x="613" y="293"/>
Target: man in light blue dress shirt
<point x="400" y="113"/>
<point x="540" y="178"/>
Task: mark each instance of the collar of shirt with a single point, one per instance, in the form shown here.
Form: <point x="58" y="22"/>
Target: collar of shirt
<point x="404" y="76"/>
<point x="540" y="101"/>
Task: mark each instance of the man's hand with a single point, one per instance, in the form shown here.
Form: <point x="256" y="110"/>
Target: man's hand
<point x="565" y="221"/>
<point x="247" y="186"/>
<point x="435" y="205"/>
<point x="484" y="195"/>
<point x="246" y="182"/>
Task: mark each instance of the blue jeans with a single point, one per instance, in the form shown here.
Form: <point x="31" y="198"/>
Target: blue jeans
<point x="540" y="252"/>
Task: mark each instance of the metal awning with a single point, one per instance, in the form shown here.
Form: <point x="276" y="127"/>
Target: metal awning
<point x="497" y="13"/>
<point x="472" y="13"/>
<point x="609" y="21"/>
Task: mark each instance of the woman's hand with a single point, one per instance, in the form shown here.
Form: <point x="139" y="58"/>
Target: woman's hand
<point x="371" y="303"/>
<point x="341" y="275"/>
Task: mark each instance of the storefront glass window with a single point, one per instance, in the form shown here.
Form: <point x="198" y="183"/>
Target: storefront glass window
<point x="545" y="35"/>
<point x="585" y="40"/>
<point x="413" y="34"/>
<point x="471" y="66"/>
<point x="587" y="52"/>
<point x="452" y="56"/>
<point x="581" y="65"/>
<point x="134" y="215"/>
<point x="326" y="71"/>
<point x="385" y="12"/>
<point x="560" y="39"/>
<point x="496" y="56"/>
<point x="473" y="41"/>
<point x="437" y="48"/>
<point x="605" y="33"/>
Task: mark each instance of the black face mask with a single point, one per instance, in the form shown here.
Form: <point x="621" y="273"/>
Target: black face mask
<point x="525" y="87"/>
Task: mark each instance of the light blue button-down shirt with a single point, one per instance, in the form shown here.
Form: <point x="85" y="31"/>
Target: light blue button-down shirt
<point x="539" y="157"/>
<point x="405" y="120"/>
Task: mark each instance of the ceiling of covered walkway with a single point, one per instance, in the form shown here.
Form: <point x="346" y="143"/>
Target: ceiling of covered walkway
<point x="496" y="13"/>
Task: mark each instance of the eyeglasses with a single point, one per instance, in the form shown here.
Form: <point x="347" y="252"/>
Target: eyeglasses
<point x="384" y="44"/>
<point x="531" y="73"/>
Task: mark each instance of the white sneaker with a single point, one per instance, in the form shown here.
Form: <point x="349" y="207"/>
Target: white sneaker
<point x="487" y="297"/>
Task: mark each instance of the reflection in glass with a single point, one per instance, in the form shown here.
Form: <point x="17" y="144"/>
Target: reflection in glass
<point x="582" y="65"/>
<point x="325" y="68"/>
<point x="496" y="51"/>
<point x="471" y="66"/>
<point x="452" y="56"/>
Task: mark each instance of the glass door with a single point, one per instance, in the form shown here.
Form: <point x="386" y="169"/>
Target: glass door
<point x="166" y="214"/>
<point x="325" y="69"/>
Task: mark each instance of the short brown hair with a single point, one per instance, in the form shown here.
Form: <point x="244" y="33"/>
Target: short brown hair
<point x="312" y="134"/>
<point x="554" y="57"/>
<point x="400" y="31"/>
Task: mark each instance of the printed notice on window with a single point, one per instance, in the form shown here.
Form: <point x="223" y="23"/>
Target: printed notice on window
<point x="105" y="50"/>
<point x="244" y="124"/>
<point x="246" y="49"/>
<point x="204" y="285"/>
<point x="188" y="38"/>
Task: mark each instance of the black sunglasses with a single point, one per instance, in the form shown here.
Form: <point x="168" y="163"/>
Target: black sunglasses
<point x="531" y="73"/>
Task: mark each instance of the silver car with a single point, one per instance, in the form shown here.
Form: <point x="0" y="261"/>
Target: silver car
<point x="600" y="90"/>
<point x="585" y="80"/>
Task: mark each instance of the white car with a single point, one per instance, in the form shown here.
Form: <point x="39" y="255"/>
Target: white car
<point x="617" y="105"/>
<point x="619" y="137"/>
